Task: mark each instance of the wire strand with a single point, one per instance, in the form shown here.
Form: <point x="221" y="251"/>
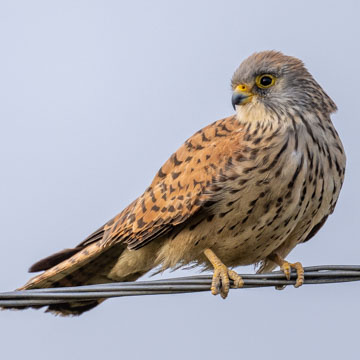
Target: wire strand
<point x="37" y="297"/>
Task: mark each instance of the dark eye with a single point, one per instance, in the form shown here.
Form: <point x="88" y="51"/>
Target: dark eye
<point x="265" y="81"/>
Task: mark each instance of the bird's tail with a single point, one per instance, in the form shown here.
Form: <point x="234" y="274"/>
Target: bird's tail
<point x="89" y="265"/>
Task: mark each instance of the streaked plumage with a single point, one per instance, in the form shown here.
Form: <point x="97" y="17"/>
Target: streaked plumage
<point x="246" y="187"/>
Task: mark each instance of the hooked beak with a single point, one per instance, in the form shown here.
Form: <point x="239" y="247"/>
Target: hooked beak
<point x="241" y="95"/>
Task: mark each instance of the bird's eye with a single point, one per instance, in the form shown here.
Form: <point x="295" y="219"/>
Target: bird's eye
<point x="265" y="81"/>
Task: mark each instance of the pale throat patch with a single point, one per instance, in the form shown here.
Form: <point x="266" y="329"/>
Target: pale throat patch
<point x="252" y="112"/>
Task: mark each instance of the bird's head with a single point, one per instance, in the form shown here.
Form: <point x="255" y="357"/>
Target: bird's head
<point x="271" y="81"/>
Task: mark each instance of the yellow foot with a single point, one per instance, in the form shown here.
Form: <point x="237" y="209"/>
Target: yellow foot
<point x="286" y="268"/>
<point x="222" y="276"/>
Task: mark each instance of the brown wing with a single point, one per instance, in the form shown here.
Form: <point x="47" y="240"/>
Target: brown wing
<point x="62" y="255"/>
<point x="186" y="183"/>
<point x="181" y="187"/>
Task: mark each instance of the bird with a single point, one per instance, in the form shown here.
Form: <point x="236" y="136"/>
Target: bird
<point x="243" y="190"/>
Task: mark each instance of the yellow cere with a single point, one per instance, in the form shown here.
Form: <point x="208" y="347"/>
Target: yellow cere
<point x="242" y="88"/>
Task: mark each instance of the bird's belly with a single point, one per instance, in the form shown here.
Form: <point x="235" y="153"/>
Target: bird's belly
<point x="254" y="231"/>
<point x="242" y="243"/>
<point x="242" y="230"/>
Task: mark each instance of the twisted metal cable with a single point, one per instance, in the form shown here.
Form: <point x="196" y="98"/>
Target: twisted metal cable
<point x="313" y="275"/>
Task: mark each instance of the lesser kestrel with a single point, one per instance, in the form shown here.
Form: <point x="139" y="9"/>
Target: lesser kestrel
<point x="246" y="189"/>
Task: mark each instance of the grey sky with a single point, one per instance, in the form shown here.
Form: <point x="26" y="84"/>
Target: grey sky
<point x="95" y="95"/>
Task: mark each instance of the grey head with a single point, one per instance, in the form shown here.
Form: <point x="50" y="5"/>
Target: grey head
<point x="278" y="82"/>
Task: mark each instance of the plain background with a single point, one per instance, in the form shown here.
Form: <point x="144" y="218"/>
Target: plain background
<point x="94" y="97"/>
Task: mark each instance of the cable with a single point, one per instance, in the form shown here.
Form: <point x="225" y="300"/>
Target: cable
<point x="313" y="275"/>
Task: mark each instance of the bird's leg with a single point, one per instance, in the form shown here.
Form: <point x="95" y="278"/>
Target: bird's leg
<point x="222" y="276"/>
<point x="286" y="268"/>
